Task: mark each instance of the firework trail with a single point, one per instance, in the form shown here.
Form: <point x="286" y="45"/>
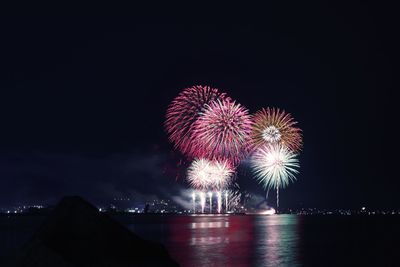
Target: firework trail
<point x="206" y="174"/>
<point x="184" y="111"/>
<point x="232" y="200"/>
<point x="226" y="201"/>
<point x="219" y="201"/>
<point x="275" y="126"/>
<point x="194" y="201"/>
<point x="222" y="131"/>
<point x="233" y="197"/>
<point x="275" y="166"/>
<point x="202" y="201"/>
<point x="210" y="200"/>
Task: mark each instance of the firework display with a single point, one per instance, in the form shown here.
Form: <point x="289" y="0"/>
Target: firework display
<point x="204" y="174"/>
<point x="223" y="131"/>
<point x="228" y="201"/>
<point x="216" y="133"/>
<point x="184" y="111"/>
<point x="232" y="199"/>
<point x="275" y="166"/>
<point x="275" y="126"/>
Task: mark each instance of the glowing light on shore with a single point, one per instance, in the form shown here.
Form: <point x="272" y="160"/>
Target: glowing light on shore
<point x="270" y="211"/>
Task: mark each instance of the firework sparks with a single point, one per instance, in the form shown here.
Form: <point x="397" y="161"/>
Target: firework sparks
<point x="219" y="201"/>
<point x="275" y="166"/>
<point x="274" y="126"/>
<point x="184" y="111"/>
<point x="202" y="201"/>
<point x="194" y="201"/>
<point x="232" y="199"/>
<point x="222" y="131"/>
<point x="205" y="174"/>
<point x="210" y="200"/>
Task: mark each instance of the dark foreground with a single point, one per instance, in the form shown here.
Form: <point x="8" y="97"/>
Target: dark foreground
<point x="76" y="234"/>
<point x="275" y="240"/>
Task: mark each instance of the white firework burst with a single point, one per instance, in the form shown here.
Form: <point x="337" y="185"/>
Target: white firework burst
<point x="271" y="134"/>
<point x="209" y="174"/>
<point x="275" y="166"/>
<point x="222" y="173"/>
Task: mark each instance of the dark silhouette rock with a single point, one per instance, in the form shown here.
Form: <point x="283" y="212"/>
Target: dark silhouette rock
<point x="76" y="234"/>
<point x="146" y="208"/>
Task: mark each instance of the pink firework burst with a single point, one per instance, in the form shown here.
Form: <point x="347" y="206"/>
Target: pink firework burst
<point x="222" y="131"/>
<point x="184" y="111"/>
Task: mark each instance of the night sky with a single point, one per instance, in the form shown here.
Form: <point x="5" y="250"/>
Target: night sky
<point x="83" y="101"/>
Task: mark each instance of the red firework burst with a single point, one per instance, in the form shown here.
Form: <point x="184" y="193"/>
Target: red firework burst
<point x="222" y="131"/>
<point x="183" y="112"/>
<point x="274" y="126"/>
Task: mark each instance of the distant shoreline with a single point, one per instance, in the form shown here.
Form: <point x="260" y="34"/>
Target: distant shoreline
<point x="13" y="215"/>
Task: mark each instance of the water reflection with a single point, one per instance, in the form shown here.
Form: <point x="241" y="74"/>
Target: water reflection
<point x="218" y="224"/>
<point x="276" y="240"/>
<point x="233" y="240"/>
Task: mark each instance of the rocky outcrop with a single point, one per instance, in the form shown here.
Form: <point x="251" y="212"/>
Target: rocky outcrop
<point x="76" y="234"/>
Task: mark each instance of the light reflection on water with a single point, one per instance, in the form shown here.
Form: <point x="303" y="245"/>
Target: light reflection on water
<point x="230" y="240"/>
<point x="209" y="224"/>
<point x="277" y="240"/>
<point x="269" y="240"/>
